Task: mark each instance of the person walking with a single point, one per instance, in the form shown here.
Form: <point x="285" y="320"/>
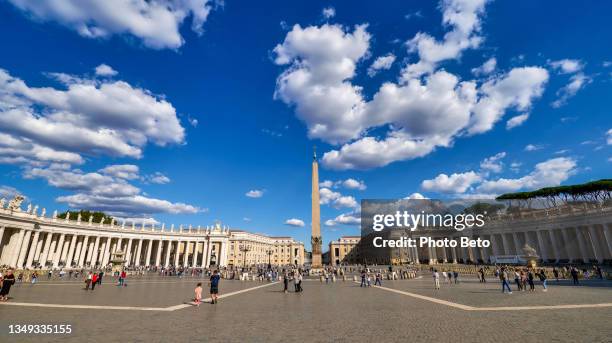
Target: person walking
<point x="198" y="294"/>
<point x="517" y="280"/>
<point x="378" y="280"/>
<point x="8" y="280"/>
<point x="482" y="275"/>
<point x="100" y="275"/>
<point x="504" y="279"/>
<point x="530" y="278"/>
<point x="34" y="277"/>
<point x="94" y="280"/>
<point x="88" y="281"/>
<point x="214" y="287"/>
<point x="543" y="279"/>
<point x="456" y="276"/>
<point x="436" y="277"/>
<point x="285" y="282"/>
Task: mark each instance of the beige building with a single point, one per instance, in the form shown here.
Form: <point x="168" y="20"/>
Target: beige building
<point x="247" y="248"/>
<point x="29" y="239"/>
<point x="344" y="250"/>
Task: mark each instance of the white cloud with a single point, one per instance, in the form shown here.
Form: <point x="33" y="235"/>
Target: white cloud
<point x="463" y="17"/>
<point x="486" y="68"/>
<point x="567" y="66"/>
<point x="354" y="184"/>
<point x="420" y="114"/>
<point x="105" y="70"/>
<point x="415" y="196"/>
<point x="548" y="173"/>
<point x="516" y="121"/>
<point x="326" y="184"/>
<point x="156" y="23"/>
<point x="89" y="117"/>
<point x="455" y="183"/>
<point x="294" y="222"/>
<point x="417" y="14"/>
<point x="105" y="192"/>
<point x="609" y="137"/>
<point x="381" y="63"/>
<point x="156" y="178"/>
<point x="493" y="163"/>
<point x="576" y="83"/>
<point x="562" y="151"/>
<point x="351" y="218"/>
<point x="122" y="171"/>
<point x="533" y="147"/>
<point x="247" y="219"/>
<point x="329" y="12"/>
<point x="336" y="199"/>
<point x="255" y="193"/>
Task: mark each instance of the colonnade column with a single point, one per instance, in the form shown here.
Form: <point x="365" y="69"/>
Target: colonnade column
<point x="555" y="244"/>
<point x="176" y="254"/>
<point x="81" y="262"/>
<point x="107" y="247"/>
<point x="128" y="255"/>
<point x="58" y="253"/>
<point x="186" y="254"/>
<point x="160" y="247"/>
<point x="47" y="246"/>
<point x="595" y="244"/>
<point x="582" y="245"/>
<point x="204" y="253"/>
<point x="94" y="254"/>
<point x="168" y="248"/>
<point x="138" y="251"/>
<point x="542" y="244"/>
<point x="32" y="249"/>
<point x="22" y="247"/>
<point x="148" y="255"/>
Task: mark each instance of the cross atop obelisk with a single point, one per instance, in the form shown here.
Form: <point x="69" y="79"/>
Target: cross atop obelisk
<point x="316" y="215"/>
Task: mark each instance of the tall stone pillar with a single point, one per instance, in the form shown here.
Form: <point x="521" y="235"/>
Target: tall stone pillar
<point x="177" y="253"/>
<point x="148" y="255"/>
<point x="65" y="249"/>
<point x="315" y="240"/>
<point x="77" y="252"/>
<point x="160" y="247"/>
<point x="517" y="244"/>
<point x="582" y="244"/>
<point x="107" y="250"/>
<point x="168" y="248"/>
<point x="223" y="253"/>
<point x="58" y="254"/>
<point x="94" y="253"/>
<point x="505" y="244"/>
<point x="138" y="252"/>
<point x="542" y="243"/>
<point x="608" y="238"/>
<point x="595" y="243"/>
<point x="83" y="251"/>
<point x="128" y="255"/>
<point x="47" y="247"/>
<point x="39" y="246"/>
<point x="23" y="248"/>
<point x="186" y="254"/>
<point x="568" y="245"/>
<point x="32" y="251"/>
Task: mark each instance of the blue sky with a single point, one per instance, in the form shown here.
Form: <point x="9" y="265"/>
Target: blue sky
<point x="198" y="105"/>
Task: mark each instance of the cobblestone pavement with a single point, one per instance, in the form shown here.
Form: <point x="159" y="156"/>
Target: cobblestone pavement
<point x="339" y="312"/>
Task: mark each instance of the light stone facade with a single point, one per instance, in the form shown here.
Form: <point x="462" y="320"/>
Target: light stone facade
<point x="344" y="250"/>
<point x="28" y="240"/>
<point x="569" y="234"/>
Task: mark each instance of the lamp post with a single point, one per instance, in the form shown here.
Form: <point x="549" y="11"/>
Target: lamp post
<point x="244" y="248"/>
<point x="269" y="252"/>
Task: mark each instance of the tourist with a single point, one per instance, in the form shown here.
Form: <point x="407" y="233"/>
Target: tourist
<point x="8" y="280"/>
<point x="530" y="278"/>
<point x="285" y="282"/>
<point x="214" y="287"/>
<point x="369" y="279"/>
<point x="88" y="281"/>
<point x="482" y="275"/>
<point x="198" y="294"/>
<point x="299" y="284"/>
<point x="436" y="277"/>
<point x="34" y="277"/>
<point x="542" y="276"/>
<point x="94" y="280"/>
<point x="363" y="278"/>
<point x="456" y="276"/>
<point x="504" y="279"/>
<point x="378" y="279"/>
<point x="517" y="280"/>
<point x="122" y="277"/>
<point x="599" y="272"/>
<point x="295" y="282"/>
<point x="556" y="273"/>
<point x="100" y="275"/>
<point x="20" y="277"/>
<point x="445" y="277"/>
<point x="574" y="273"/>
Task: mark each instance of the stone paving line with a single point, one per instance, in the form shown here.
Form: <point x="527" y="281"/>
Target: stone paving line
<point x="501" y="308"/>
<point x="136" y="308"/>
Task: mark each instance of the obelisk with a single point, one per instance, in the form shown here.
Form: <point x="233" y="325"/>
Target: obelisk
<point x="316" y="216"/>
